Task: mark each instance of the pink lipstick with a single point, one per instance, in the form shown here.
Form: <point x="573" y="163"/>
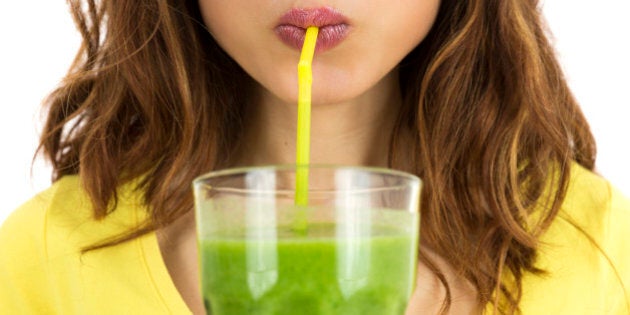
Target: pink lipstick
<point x="333" y="27"/>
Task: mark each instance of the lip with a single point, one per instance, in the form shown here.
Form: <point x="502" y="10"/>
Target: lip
<point x="333" y="27"/>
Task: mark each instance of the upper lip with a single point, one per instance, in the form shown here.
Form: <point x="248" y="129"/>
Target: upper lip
<point x="319" y="17"/>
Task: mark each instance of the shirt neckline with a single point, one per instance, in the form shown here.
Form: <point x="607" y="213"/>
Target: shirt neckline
<point x="158" y="274"/>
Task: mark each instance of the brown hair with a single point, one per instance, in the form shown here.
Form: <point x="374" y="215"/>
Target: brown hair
<point x="498" y="130"/>
<point x="152" y="96"/>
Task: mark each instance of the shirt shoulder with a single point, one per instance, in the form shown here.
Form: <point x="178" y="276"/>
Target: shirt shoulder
<point x="23" y="234"/>
<point x="62" y="209"/>
<point x="591" y="198"/>
<point x="43" y="266"/>
<point x="596" y="208"/>
<point x="584" y="253"/>
<point x="23" y="254"/>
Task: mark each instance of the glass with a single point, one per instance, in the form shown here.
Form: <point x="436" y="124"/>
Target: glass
<point x="351" y="250"/>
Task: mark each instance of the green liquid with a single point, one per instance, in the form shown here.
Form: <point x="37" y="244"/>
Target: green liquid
<point x="309" y="274"/>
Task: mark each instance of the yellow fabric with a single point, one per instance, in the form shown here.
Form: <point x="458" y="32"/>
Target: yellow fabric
<point x="43" y="272"/>
<point x="580" y="277"/>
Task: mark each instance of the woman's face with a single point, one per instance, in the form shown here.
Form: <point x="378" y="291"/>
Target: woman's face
<point x="360" y="41"/>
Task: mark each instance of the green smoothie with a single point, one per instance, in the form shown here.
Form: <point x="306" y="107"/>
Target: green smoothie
<point x="331" y="270"/>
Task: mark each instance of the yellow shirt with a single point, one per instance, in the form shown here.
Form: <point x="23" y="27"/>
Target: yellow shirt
<point x="43" y="272"/>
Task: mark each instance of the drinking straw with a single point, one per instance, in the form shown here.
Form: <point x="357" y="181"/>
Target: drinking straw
<point x="305" y="81"/>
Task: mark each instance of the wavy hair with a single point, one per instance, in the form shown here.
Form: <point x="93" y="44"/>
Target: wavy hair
<point x="494" y="126"/>
<point x="497" y="131"/>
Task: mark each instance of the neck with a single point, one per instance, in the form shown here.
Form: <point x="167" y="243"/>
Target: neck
<point x="355" y="132"/>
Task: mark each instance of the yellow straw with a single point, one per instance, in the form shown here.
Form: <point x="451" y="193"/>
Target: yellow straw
<point x="305" y="81"/>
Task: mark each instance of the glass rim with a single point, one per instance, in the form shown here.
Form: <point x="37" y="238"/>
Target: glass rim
<point x="411" y="178"/>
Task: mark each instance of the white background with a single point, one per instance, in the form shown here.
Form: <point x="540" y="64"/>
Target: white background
<point x="38" y="42"/>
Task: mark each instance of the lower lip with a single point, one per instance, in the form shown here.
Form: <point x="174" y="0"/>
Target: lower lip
<point x="328" y="37"/>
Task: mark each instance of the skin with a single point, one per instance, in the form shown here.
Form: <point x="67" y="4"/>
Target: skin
<point x="355" y="101"/>
<point x="355" y="84"/>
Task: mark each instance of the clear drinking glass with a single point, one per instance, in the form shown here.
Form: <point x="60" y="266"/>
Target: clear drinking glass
<point x="351" y="250"/>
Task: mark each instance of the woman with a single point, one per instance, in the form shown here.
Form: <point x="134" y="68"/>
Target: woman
<point x="465" y="94"/>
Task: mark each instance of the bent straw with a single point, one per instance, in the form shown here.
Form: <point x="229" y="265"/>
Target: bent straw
<point x="305" y="81"/>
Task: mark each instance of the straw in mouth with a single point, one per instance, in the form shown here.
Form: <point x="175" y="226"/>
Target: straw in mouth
<point x="305" y="81"/>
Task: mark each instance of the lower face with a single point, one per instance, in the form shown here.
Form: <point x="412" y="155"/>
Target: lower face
<point x="370" y="38"/>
